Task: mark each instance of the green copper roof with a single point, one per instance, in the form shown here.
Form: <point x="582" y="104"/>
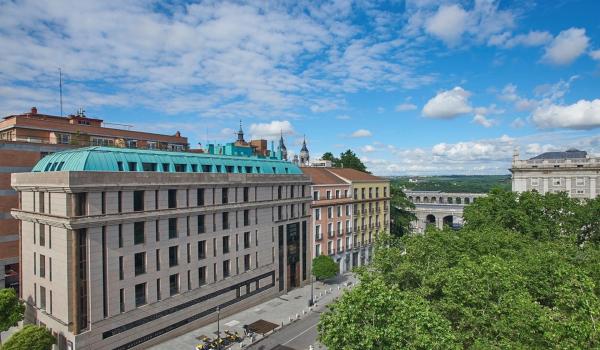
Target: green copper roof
<point x="127" y="159"/>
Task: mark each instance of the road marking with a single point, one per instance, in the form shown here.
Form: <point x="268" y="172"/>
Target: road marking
<point x="306" y="330"/>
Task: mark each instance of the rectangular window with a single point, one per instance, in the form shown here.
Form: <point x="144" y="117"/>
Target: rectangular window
<point x="80" y="204"/>
<point x="138" y="200"/>
<point x="580" y="181"/>
<point x="328" y="196"/>
<point x="120" y="235"/>
<point x="172" y="199"/>
<point x="180" y="168"/>
<point x="132" y="166"/>
<point x="556" y="181"/>
<point x="224" y="195"/>
<point x="172" y="228"/>
<point x="200" y="197"/>
<point x="165" y="167"/>
<point x="140" y="294"/>
<point x="174" y="284"/>
<point x="226" y="266"/>
<point x="189" y="253"/>
<point x="42" y="298"/>
<point x="337" y="193"/>
<point x="42" y="266"/>
<point x="201" y="250"/>
<point x="317" y="250"/>
<point x="149" y="166"/>
<point x="339" y="211"/>
<point x="330" y="212"/>
<point x="121" y="269"/>
<point x="42" y="235"/>
<point x="120" y="166"/>
<point x="103" y="202"/>
<point x="50" y="269"/>
<point x="246" y="262"/>
<point x="202" y="275"/>
<point x="158" y="260"/>
<point x="121" y="300"/>
<point x="173" y="256"/>
<point x="315" y="195"/>
<point x="279" y="192"/>
<point x="140" y="263"/>
<point x="246" y="240"/>
<point x="119" y="201"/>
<point x="225" y="217"/>
<point x="225" y="244"/>
<point x="246" y="194"/>
<point x="156" y="198"/>
<point x="246" y="217"/>
<point x="535" y="181"/>
<point x="318" y="214"/>
<point x="201" y="227"/>
<point x="158" y="295"/>
<point x="138" y="233"/>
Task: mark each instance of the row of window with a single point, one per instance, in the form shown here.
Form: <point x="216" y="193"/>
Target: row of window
<point x="340" y="246"/>
<point x="139" y="198"/>
<point x="140" y="259"/>
<point x="193" y="168"/>
<point x="557" y="181"/>
<point x="42" y="302"/>
<point x="141" y="289"/>
<point x="40" y="270"/>
<point x="330" y="211"/>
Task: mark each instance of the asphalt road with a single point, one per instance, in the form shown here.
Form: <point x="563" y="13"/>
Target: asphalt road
<point x="297" y="336"/>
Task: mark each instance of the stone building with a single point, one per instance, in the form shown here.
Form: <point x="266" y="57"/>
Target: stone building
<point x="331" y="216"/>
<point x="571" y="171"/>
<point x="28" y="137"/>
<point x="123" y="248"/>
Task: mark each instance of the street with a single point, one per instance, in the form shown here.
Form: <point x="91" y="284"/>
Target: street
<point x="297" y="336"/>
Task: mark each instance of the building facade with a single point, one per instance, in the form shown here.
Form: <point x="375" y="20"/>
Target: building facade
<point x="121" y="248"/>
<point x="28" y="137"/>
<point x="370" y="206"/>
<point x="331" y="216"/>
<point x="572" y="171"/>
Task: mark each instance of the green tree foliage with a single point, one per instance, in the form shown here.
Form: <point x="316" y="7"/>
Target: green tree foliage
<point x="507" y="280"/>
<point x="400" y="212"/>
<point x="11" y="309"/>
<point x="347" y="159"/>
<point x="455" y="183"/>
<point x="323" y="267"/>
<point x="31" y="337"/>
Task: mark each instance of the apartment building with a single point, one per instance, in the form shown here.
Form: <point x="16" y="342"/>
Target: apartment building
<point x="371" y="210"/>
<point x="331" y="216"/>
<point x="121" y="248"/>
<point x="28" y="137"/>
<point x="571" y="171"/>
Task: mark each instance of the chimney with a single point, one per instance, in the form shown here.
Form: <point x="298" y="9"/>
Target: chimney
<point x="177" y="134"/>
<point x="33" y="110"/>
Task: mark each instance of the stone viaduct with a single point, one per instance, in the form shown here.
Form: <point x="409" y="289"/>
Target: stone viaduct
<point x="439" y="208"/>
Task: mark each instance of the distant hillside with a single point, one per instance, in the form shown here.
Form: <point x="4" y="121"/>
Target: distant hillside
<point x="453" y="183"/>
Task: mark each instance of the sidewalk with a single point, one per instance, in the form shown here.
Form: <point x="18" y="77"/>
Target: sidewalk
<point x="282" y="310"/>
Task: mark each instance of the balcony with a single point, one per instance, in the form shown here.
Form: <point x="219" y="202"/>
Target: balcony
<point x="331" y="234"/>
<point x="340" y="233"/>
<point x="319" y="237"/>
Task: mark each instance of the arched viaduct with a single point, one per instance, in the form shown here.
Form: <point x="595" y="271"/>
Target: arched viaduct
<point x="439" y="208"/>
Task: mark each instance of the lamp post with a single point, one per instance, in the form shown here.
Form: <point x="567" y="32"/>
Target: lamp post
<point x="311" y="301"/>
<point x="218" y="327"/>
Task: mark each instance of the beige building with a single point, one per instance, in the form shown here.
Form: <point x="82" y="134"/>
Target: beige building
<point x="572" y="171"/>
<point x="124" y="248"/>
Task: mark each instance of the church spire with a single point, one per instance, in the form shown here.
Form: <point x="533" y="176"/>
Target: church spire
<point x="240" y="133"/>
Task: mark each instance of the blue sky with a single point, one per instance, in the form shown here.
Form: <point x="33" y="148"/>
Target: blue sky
<point x="413" y="87"/>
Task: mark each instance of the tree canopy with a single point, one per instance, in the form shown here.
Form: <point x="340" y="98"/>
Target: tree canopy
<point x="347" y="159"/>
<point x="323" y="267"/>
<point x="401" y="214"/>
<point x="507" y="280"/>
<point x="11" y="309"/>
<point x="31" y="337"/>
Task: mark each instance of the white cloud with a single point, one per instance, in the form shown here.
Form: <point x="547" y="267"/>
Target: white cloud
<point x="595" y="55"/>
<point x="483" y="121"/>
<point x="448" y="24"/>
<point x="509" y="93"/>
<point x="448" y="104"/>
<point x="517" y="123"/>
<point x="272" y="130"/>
<point x="362" y="133"/>
<point x="566" y="47"/>
<point x="583" y="114"/>
<point x="343" y="117"/>
<point x="405" y="107"/>
<point x="533" y="38"/>
<point x="368" y="149"/>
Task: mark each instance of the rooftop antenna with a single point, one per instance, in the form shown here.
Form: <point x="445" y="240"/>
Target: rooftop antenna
<point x="60" y="89"/>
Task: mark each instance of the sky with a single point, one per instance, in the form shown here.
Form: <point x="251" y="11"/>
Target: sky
<point x="415" y="87"/>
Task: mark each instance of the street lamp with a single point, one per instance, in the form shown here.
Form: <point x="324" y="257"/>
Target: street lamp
<point x="218" y="327"/>
<point x="311" y="300"/>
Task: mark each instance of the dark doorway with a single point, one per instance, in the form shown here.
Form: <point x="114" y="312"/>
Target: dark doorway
<point x="430" y="220"/>
<point x="293" y="255"/>
<point x="448" y="221"/>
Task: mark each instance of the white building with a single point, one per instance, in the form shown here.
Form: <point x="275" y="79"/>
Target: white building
<point x="572" y="171"/>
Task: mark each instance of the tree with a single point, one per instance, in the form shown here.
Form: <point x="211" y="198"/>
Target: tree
<point x="401" y="213"/>
<point x="31" y="337"/>
<point x="11" y="309"/>
<point x="517" y="276"/>
<point x="335" y="162"/>
<point x="324" y="267"/>
<point x="349" y="159"/>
